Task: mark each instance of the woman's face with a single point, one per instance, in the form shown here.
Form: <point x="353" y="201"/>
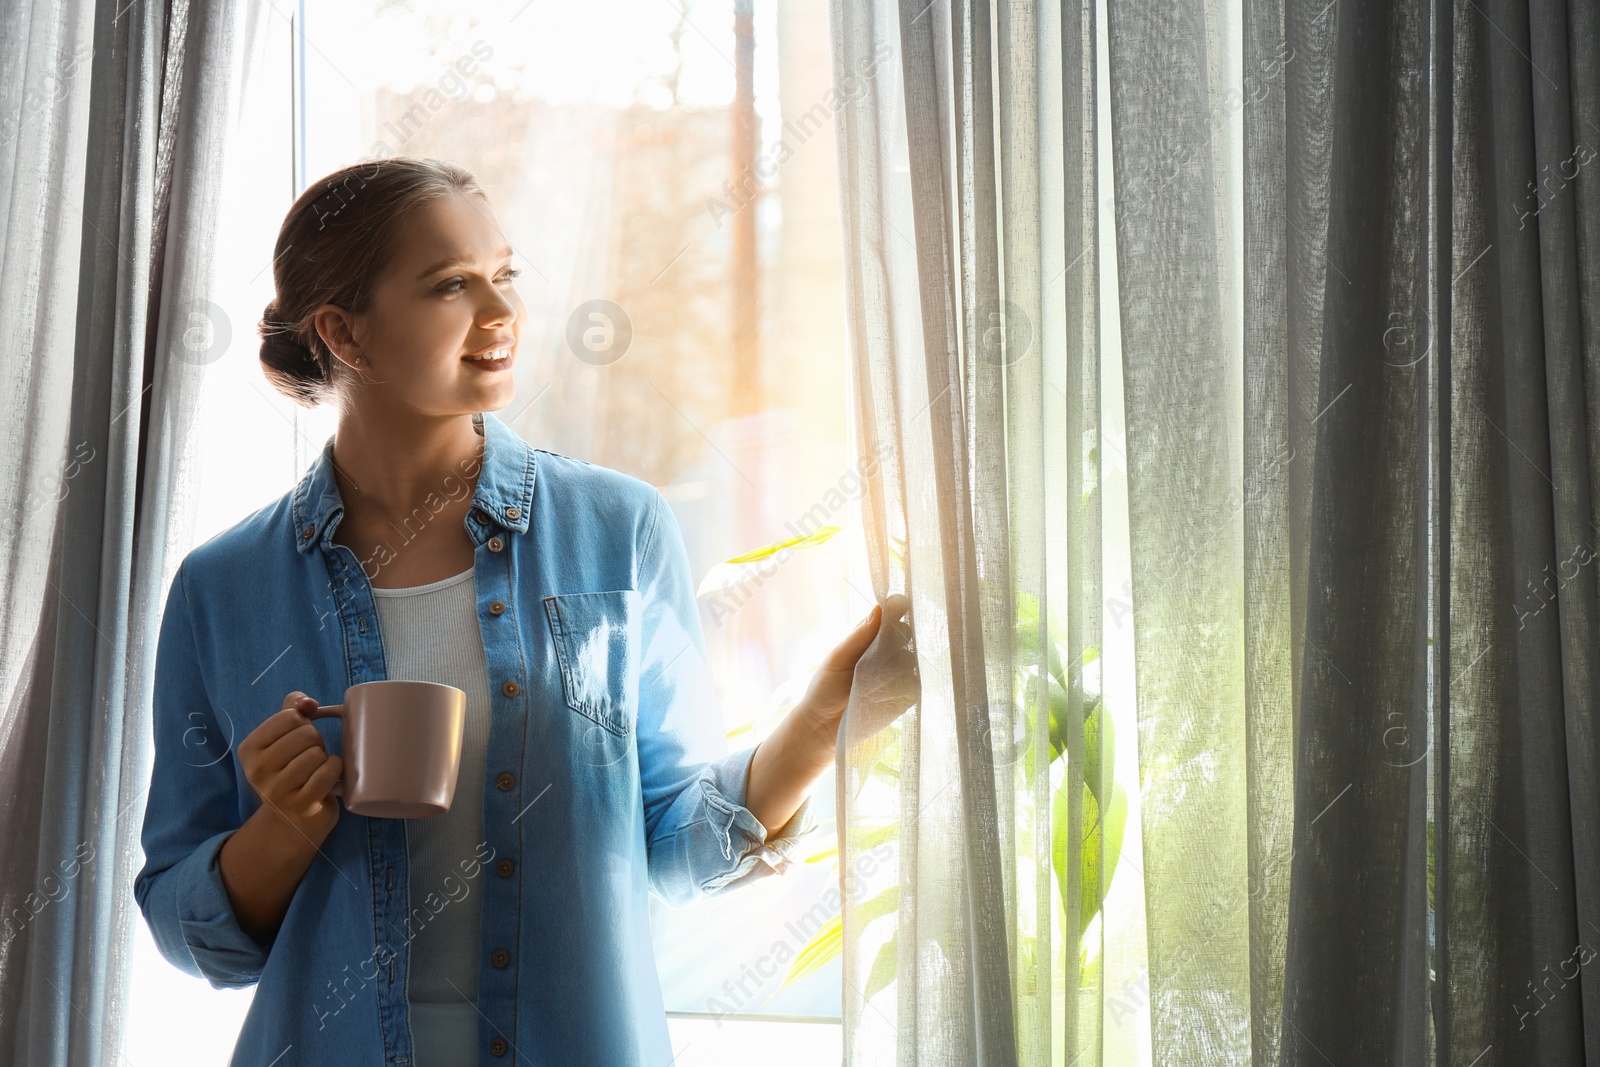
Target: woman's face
<point x="446" y="295"/>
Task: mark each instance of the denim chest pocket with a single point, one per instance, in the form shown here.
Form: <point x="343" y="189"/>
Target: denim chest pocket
<point x="596" y="638"/>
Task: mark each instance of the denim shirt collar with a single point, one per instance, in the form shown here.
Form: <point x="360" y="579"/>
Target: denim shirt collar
<point x="504" y="493"/>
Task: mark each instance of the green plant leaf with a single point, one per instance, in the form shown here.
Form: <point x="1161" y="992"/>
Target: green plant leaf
<point x="1110" y="827"/>
<point x="1430" y="864"/>
<point x="739" y="570"/>
<point x="817" y="537"/>
<point x="867" y="839"/>
<point x="1060" y="847"/>
<point x="828" y="941"/>
<point x="1107" y="821"/>
<point x="884" y="968"/>
<point x="880" y="754"/>
<point x="824" y="945"/>
<point x="1099" y="744"/>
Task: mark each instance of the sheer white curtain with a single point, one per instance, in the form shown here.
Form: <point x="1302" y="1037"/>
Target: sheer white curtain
<point x="1109" y="779"/>
<point x="974" y="336"/>
<point x="116" y="117"/>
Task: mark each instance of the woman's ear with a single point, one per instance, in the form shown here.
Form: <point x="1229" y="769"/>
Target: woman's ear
<point x="335" y="326"/>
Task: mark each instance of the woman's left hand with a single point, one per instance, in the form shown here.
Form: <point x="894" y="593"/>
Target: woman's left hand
<point x="829" y="691"/>
<point x="802" y="746"/>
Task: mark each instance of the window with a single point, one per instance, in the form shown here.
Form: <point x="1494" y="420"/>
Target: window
<point x="666" y="177"/>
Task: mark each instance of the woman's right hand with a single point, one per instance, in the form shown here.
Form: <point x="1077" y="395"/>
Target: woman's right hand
<point x="288" y="766"/>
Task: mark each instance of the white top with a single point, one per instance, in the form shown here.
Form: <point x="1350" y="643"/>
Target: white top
<point x="430" y="634"/>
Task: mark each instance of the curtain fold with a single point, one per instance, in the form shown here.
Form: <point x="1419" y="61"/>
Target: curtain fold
<point x="1175" y="230"/>
<point x="1072" y="564"/>
<point x="1520" y="885"/>
<point x="1186" y="675"/>
<point x="957" y="210"/>
<point x="1355" y="227"/>
<point x="123" y="113"/>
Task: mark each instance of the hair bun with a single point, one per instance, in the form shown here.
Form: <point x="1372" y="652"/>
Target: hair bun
<point x="288" y="363"/>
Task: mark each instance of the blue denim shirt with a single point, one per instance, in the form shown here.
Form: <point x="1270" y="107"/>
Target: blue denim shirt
<point x="608" y="773"/>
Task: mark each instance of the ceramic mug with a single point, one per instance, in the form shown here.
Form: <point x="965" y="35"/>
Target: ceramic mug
<point x="402" y="747"/>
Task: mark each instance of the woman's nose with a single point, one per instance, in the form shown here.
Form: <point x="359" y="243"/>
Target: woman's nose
<point x="498" y="309"/>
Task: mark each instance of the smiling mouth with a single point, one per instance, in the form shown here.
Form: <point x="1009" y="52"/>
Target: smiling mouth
<point x="494" y="359"/>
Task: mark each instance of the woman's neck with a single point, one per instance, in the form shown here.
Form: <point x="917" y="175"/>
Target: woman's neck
<point x="388" y="468"/>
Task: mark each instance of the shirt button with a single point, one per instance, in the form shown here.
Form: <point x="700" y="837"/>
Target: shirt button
<point x="513" y="514"/>
<point x="495" y="544"/>
<point x="511" y="689"/>
<point x="497" y="1046"/>
<point x="500" y="958"/>
<point x="479" y="517"/>
<point x="505" y="868"/>
<point x="306" y="532"/>
<point x="506" y="780"/>
<point x="497" y="608"/>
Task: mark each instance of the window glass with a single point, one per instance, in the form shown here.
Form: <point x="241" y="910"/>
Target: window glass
<point x="680" y="253"/>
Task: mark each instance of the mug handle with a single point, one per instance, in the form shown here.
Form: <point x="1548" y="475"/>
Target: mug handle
<point x="332" y="711"/>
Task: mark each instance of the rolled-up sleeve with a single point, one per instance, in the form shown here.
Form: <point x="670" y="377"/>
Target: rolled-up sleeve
<point x="702" y="839"/>
<point x="191" y="811"/>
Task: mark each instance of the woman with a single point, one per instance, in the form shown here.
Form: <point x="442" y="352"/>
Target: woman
<point x="429" y="541"/>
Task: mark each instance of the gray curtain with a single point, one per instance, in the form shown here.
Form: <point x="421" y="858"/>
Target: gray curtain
<point x="116" y="118"/>
<point x="1518" y="877"/>
<point x="1338" y="276"/>
<point x="1349" y="254"/>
